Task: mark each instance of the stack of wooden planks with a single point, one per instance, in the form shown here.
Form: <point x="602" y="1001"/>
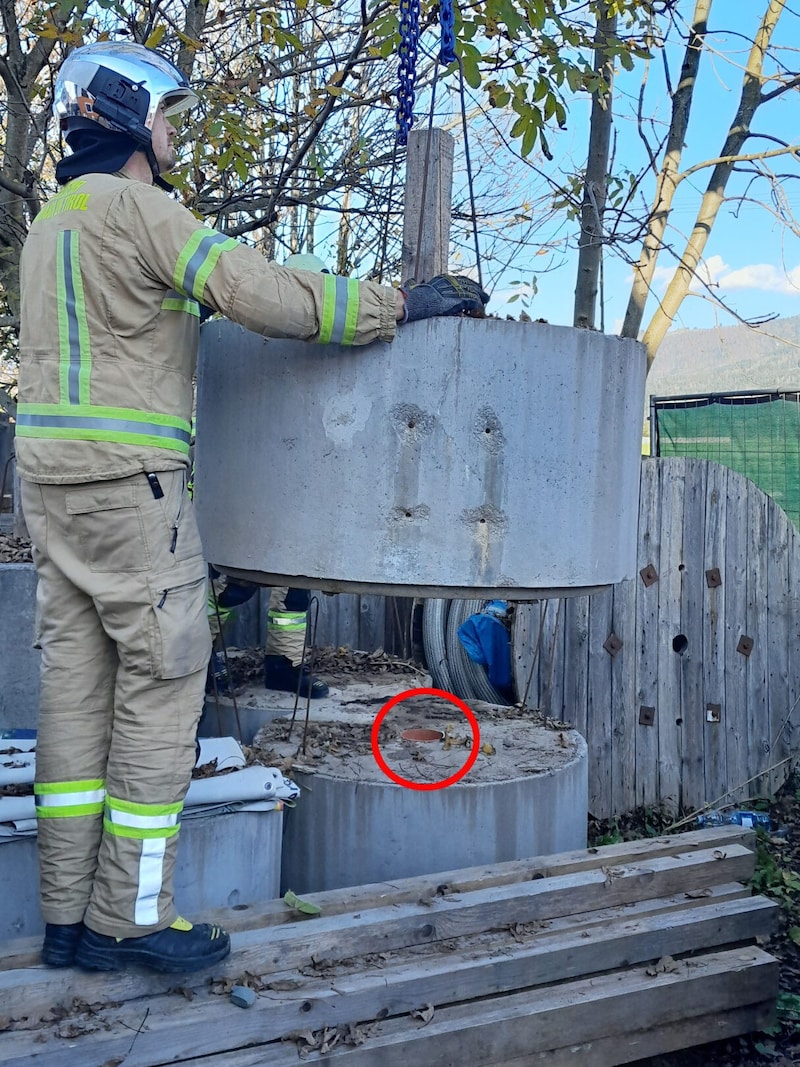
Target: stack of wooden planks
<point x="595" y="957"/>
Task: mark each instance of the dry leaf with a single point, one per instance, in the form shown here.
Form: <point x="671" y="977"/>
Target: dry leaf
<point x="425" y="1014"/>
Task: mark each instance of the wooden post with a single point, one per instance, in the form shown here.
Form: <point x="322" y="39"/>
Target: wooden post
<point x="428" y="204"/>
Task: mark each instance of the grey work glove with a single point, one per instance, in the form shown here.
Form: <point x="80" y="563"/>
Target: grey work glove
<point x="444" y="294"/>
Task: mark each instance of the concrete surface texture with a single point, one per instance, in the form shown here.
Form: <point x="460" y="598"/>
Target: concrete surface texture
<point x="224" y="860"/>
<point x="468" y="456"/>
<point x="19" y="660"/>
<point x="526" y="795"/>
<point x="349" y="832"/>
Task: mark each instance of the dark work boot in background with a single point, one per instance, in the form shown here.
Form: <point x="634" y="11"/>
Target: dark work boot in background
<point x="280" y="673"/>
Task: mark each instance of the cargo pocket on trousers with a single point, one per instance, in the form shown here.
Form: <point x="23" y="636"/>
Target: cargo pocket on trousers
<point x="180" y="636"/>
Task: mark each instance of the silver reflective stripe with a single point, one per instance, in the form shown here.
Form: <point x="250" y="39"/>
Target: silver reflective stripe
<point x="68" y="800"/>
<point x="83" y="422"/>
<point x="151" y="879"/>
<point x="141" y="822"/>
<point x="340" y="311"/>
<point x="73" y="379"/>
<point x="199" y="258"/>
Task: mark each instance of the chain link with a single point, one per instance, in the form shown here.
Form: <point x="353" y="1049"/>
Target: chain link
<point x="406" y="95"/>
<point x="447" y="22"/>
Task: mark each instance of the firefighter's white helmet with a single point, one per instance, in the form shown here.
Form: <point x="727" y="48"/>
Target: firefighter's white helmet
<point x="119" y="85"/>
<point x="306" y="261"/>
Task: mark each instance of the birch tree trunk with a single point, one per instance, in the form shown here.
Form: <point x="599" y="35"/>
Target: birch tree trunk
<point x="668" y="176"/>
<point x="749" y="102"/>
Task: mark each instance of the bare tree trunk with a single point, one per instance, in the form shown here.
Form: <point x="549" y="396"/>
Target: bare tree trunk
<point x="668" y="177"/>
<point x="594" y="190"/>
<point x="714" y="195"/>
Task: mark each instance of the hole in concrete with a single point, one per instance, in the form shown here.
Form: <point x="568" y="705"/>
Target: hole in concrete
<point x="488" y="429"/>
<point x="427" y="930"/>
<point x="681" y="566"/>
<point x="408" y="514"/>
<point x="305" y="1006"/>
<point x="483" y="522"/>
<point x="679" y="722"/>
<point x="382" y="1014"/>
<point x="240" y="907"/>
<point x="411" y="425"/>
<point x="422" y="734"/>
<point x="680" y="643"/>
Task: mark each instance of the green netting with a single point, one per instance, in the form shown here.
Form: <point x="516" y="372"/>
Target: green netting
<point x="757" y="435"/>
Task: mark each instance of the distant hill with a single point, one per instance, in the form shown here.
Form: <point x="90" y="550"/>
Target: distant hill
<point x="730" y="358"/>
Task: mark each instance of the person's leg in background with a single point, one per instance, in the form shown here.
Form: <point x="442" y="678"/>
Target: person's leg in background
<point x="287" y="622"/>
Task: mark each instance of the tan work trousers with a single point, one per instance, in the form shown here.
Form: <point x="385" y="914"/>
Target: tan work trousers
<point x="286" y="629"/>
<point x="121" y="608"/>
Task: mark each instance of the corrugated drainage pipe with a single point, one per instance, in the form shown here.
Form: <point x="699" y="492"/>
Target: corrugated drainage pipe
<point x="434" y="619"/>
<point x="468" y="675"/>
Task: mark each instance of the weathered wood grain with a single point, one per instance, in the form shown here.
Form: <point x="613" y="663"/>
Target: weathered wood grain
<point x="175" y="1031"/>
<point x="514" y="1026"/>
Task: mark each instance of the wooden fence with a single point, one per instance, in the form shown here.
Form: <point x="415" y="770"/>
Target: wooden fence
<point x="685" y="681"/>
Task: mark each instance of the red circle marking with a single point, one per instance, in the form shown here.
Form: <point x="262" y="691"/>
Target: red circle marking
<point x="387" y="707"/>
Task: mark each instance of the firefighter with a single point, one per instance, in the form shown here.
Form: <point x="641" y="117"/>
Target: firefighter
<point x="112" y="276"/>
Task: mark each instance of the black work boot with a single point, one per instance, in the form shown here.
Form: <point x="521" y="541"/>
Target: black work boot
<point x="180" y="948"/>
<point x="281" y="673"/>
<point x="60" y="942"/>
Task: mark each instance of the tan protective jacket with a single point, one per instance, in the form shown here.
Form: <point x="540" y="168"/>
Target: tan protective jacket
<point x="112" y="275"/>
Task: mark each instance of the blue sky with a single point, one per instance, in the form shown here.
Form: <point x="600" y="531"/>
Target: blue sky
<point x="751" y="259"/>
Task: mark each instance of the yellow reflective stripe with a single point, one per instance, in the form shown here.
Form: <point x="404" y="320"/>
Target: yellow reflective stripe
<point x="146" y="810"/>
<point x="87" y="422"/>
<point x="286" y="620"/>
<point x="139" y="833"/>
<point x="197" y="259"/>
<point x="328" y="308"/>
<point x="68" y="811"/>
<point x="74" y="346"/>
<point x="339" y="316"/>
<point x="64" y="800"/>
<point x="124" y="818"/>
<point x="79" y="786"/>
<point x="181" y="303"/>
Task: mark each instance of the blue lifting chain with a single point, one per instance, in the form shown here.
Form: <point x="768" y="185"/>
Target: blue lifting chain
<point x="409" y="40"/>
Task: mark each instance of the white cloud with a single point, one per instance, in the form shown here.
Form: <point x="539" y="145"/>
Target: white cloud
<point x="764" y="276"/>
<point x="715" y="272"/>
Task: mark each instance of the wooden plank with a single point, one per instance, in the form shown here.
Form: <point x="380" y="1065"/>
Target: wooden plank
<point x="669" y="713"/>
<point x="624" y="711"/>
<point x="735" y="578"/>
<point x="514" y="1026"/>
<point x="175" y="1033"/>
<point x="779" y="613"/>
<point x="758" y="563"/>
<point x="428" y="204"/>
<point x="371" y="623"/>
<point x="527" y="644"/>
<point x="645" y="772"/>
<point x="598" y="710"/>
<point x="656" y="1041"/>
<point x="576" y="661"/>
<point x="693" y="584"/>
<point x="24" y="952"/>
<point x="553" y="669"/>
<point x="273" y="949"/>
<point x="714" y="633"/>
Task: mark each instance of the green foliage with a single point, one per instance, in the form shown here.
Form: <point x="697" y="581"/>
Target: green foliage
<point x="775" y="880"/>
